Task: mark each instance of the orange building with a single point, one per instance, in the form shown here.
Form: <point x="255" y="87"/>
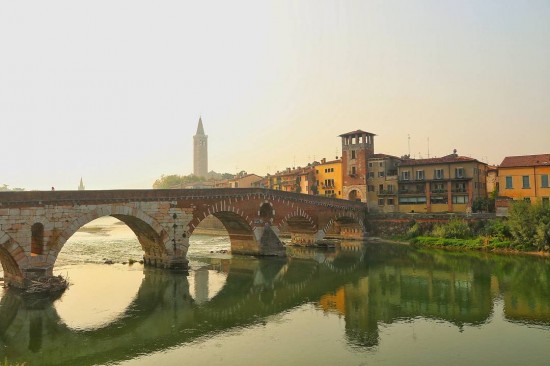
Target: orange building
<point x="525" y="177"/>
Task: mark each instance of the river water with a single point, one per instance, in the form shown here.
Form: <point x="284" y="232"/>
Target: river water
<point x="356" y="304"/>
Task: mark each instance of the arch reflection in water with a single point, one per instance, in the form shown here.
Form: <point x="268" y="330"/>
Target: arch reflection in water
<point x="376" y="284"/>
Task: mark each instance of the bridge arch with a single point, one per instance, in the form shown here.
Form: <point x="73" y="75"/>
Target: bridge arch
<point x="151" y="235"/>
<point x="348" y="223"/>
<point x="9" y="251"/>
<point x="238" y="225"/>
<point x="302" y="227"/>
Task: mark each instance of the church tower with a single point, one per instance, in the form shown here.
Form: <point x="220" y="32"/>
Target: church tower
<point x="200" y="152"/>
<point x="81" y="185"/>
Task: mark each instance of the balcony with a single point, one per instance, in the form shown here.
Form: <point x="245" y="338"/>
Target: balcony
<point x="438" y="191"/>
<point x="459" y="190"/>
<point x="412" y="191"/>
<point x="386" y="192"/>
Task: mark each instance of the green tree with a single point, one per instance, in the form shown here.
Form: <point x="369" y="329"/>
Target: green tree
<point x="175" y="181"/>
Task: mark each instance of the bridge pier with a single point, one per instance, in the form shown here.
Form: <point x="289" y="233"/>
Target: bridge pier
<point x="306" y="238"/>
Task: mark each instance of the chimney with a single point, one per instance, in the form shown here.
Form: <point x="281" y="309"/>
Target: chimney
<point x="323" y="160"/>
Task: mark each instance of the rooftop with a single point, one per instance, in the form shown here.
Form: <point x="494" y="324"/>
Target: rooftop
<point x="526" y="160"/>
<point x="452" y="158"/>
<point x="356" y="132"/>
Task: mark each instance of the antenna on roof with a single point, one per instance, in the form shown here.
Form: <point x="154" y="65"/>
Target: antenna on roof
<point x="428" y="147"/>
<point x="409" y="142"/>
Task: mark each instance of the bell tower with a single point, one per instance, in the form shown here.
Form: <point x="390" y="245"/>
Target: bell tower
<point x="200" y="152"/>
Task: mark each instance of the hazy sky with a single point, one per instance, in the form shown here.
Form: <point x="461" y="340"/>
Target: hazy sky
<point x="112" y="90"/>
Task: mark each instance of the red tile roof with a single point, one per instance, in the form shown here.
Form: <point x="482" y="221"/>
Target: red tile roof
<point x="356" y="132"/>
<point x="443" y="160"/>
<point x="383" y="156"/>
<point x="526" y="160"/>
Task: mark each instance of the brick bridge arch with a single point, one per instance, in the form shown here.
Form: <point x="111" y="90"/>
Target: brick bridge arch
<point x="12" y="258"/>
<point x="163" y="220"/>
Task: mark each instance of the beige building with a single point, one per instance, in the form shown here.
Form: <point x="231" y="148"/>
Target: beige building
<point x="244" y="181"/>
<point x="382" y="184"/>
<point x="446" y="184"/>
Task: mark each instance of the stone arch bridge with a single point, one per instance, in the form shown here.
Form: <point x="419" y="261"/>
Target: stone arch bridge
<point x="35" y="225"/>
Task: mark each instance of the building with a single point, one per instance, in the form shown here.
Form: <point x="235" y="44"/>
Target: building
<point x="300" y="180"/>
<point x="382" y="184"/>
<point x="525" y="178"/>
<point x="244" y="181"/>
<point x="446" y="184"/>
<point x="200" y="152"/>
<point x="357" y="147"/>
<point x="492" y="180"/>
<point x="328" y="178"/>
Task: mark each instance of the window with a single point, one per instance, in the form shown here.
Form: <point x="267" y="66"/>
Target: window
<point x="411" y="200"/>
<point x="405" y="175"/>
<point x="459" y="172"/>
<point x="353" y="154"/>
<point x="380" y="202"/>
<point x="380" y="174"/>
<point x="525" y="180"/>
<point x="353" y="170"/>
<point x="509" y="184"/>
<point x="419" y="175"/>
<point x="390" y="188"/>
<point x="381" y="165"/>
<point x="544" y="181"/>
<point x="438" y="174"/>
<point x="380" y="188"/>
<point x="390" y="201"/>
<point x="438" y="200"/>
<point x="370" y="175"/>
<point x="460" y="199"/>
<point x="370" y="165"/>
<point x="460" y="187"/>
<point x="37" y="239"/>
<point x="371" y="188"/>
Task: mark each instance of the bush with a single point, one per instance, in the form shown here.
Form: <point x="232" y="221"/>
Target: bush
<point x="414" y="231"/>
<point x="530" y="225"/>
<point x="454" y="229"/>
<point x="498" y="229"/>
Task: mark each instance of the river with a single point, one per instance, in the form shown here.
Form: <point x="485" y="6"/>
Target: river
<point x="356" y="304"/>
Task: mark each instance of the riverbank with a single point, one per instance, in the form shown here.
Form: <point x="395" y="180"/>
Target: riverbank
<point x="483" y="244"/>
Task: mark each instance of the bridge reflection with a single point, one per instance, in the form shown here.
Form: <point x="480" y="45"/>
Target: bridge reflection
<point x="370" y="285"/>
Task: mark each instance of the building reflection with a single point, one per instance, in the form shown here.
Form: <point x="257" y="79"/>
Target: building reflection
<point x="367" y="286"/>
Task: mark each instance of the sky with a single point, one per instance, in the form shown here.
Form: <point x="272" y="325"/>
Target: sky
<point x="111" y="91"/>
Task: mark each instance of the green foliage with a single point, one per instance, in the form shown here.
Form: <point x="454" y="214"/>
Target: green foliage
<point x="498" y="229"/>
<point x="414" y="231"/>
<point x="455" y="228"/>
<point x="530" y="225"/>
<point x="5" y="188"/>
<point x="483" y="204"/>
<point x="174" y="180"/>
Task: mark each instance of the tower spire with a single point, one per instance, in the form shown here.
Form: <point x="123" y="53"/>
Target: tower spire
<point x="200" y="128"/>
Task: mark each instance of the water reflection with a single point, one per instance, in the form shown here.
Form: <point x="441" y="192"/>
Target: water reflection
<point x="366" y="286"/>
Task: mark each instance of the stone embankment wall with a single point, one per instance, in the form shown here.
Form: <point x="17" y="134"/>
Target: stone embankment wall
<point x="391" y="224"/>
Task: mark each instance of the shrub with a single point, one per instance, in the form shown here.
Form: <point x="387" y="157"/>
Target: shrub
<point x="455" y="229"/>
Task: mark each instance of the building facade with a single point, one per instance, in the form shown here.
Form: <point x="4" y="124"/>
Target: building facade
<point x="328" y="177"/>
<point x="446" y="184"/>
<point x="200" y="151"/>
<point x="525" y="177"/>
<point x="357" y="147"/>
<point x="382" y="183"/>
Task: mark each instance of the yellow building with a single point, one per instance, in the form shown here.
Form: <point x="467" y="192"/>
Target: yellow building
<point x="446" y="184"/>
<point x="525" y="178"/>
<point x="328" y="175"/>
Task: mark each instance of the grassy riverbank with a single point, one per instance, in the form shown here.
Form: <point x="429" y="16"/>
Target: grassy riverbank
<point x="525" y="230"/>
